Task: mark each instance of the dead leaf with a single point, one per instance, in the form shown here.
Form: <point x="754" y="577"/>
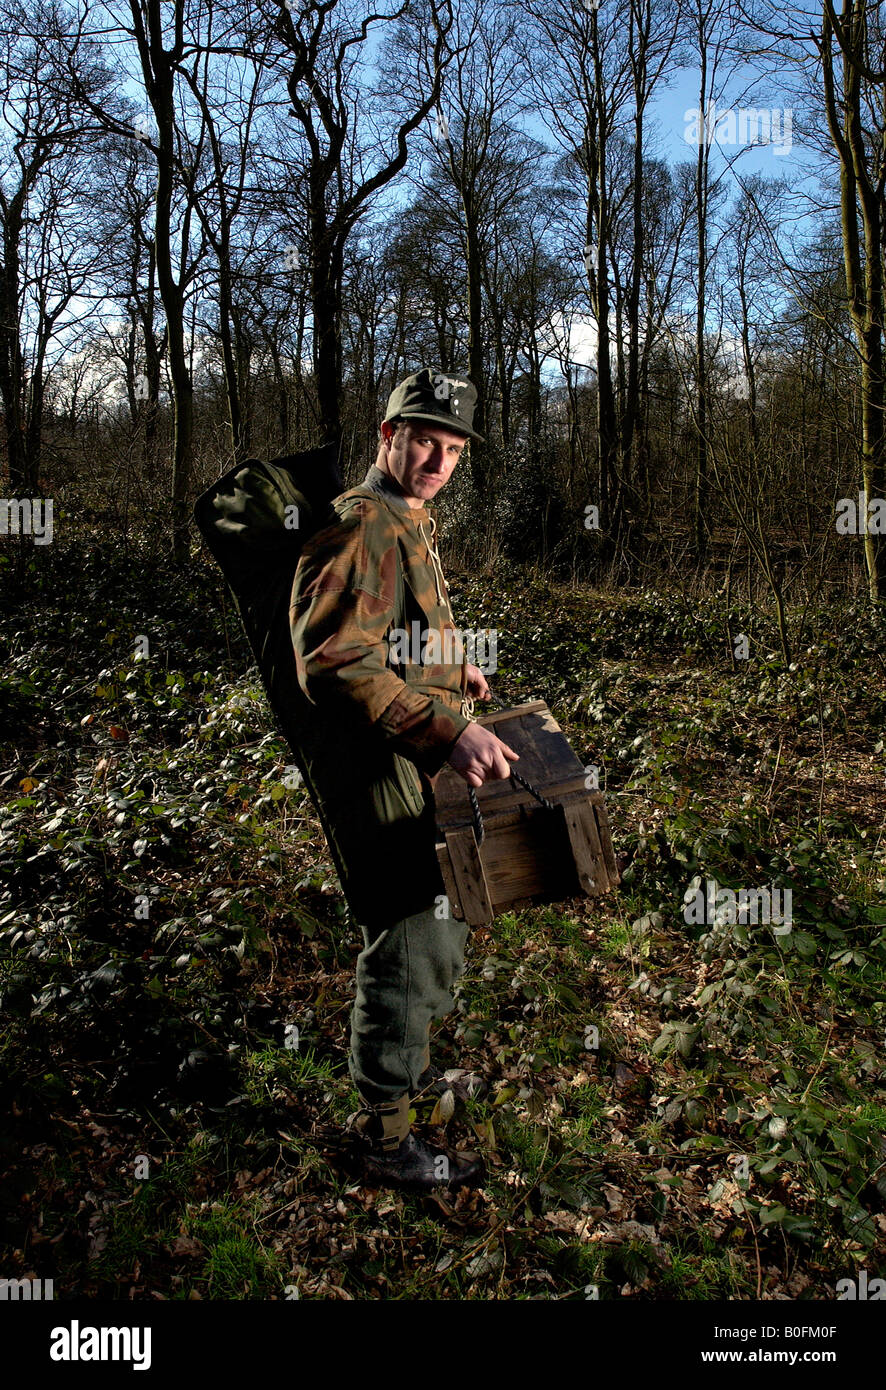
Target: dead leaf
<point x="616" y="1200"/>
<point x="444" y="1109"/>
<point x="627" y="1081"/>
<point x="486" y="1264"/>
<point x="485" y="1132"/>
<point x="186" y="1245"/>
<point x="562" y="1220"/>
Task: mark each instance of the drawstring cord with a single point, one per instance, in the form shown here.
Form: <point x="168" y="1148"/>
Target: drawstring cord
<point x="435" y="562"/>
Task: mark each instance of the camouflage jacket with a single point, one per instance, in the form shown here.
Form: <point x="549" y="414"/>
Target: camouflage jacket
<point x="369" y="617"/>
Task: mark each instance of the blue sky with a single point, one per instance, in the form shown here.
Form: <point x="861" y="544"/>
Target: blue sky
<point x="672" y="103"/>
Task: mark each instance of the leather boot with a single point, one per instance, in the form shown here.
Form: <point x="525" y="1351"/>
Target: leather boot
<point x="392" y="1156"/>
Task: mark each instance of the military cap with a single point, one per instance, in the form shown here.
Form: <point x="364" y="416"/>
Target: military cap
<point x="439" y="397"/>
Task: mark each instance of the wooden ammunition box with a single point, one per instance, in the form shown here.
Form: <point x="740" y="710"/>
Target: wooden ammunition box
<point x="529" y="853"/>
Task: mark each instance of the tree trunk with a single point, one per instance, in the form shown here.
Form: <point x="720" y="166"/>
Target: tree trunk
<point x="12" y="382"/>
<point x="326" y="278"/>
<point x="864" y="286"/>
<point x="700" y="501"/>
<point x="475" y="337"/>
<point x="229" y="360"/>
<point x="158" y="69"/>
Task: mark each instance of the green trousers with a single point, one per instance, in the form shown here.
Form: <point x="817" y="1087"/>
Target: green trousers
<point x="405" y="975"/>
<point x="377" y="811"/>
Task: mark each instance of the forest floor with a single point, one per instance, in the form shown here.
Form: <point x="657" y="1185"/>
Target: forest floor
<point x="176" y="964"/>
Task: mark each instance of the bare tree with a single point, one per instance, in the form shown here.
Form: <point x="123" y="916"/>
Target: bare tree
<point x="712" y="36"/>
<point x="176" y="265"/>
<point x="851" y="47"/>
<point x="44" y="261"/>
<point x="131" y="284"/>
<point x="336" y="109"/>
<point x="594" y="71"/>
<point x="228" y="89"/>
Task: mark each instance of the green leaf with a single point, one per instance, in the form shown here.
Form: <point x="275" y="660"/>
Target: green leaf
<point x="771" y="1216"/>
<point x="569" y="997"/>
<point x="504" y="1095"/>
<point x="804" y="943"/>
<point x="663" y="1040"/>
<point x="800" y="1226"/>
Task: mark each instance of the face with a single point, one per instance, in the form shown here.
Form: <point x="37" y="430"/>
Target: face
<point x="421" y="458"/>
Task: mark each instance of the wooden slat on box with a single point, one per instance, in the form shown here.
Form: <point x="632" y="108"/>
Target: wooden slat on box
<point x="581" y="826"/>
<point x="606" y="841"/>
<point x="507" y="796"/>
<point x="469" y="874"/>
<point x="529" y="853"/>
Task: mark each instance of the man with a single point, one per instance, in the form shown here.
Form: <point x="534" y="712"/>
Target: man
<point x="382" y="723"/>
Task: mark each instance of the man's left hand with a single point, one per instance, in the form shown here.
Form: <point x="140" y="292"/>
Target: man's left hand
<point x="475" y="685"/>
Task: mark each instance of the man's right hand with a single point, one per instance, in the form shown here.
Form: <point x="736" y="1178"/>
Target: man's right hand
<point x="478" y="756"/>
